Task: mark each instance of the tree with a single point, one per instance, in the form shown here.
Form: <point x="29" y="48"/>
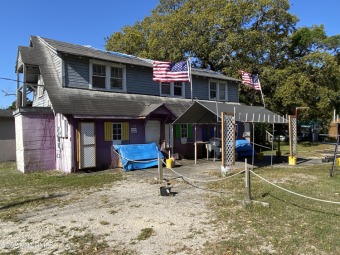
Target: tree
<point x="298" y="67"/>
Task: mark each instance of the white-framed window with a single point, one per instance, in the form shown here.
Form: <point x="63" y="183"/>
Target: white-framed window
<point x="184" y="130"/>
<point x="218" y="90"/>
<point x="222" y="92"/>
<point x="212" y="90"/>
<point x="175" y="89"/>
<point x="107" y="76"/>
<point x="116" y="133"/>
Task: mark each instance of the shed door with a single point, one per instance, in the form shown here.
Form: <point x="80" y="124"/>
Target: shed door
<point x="87" y="145"/>
<point x="153" y="131"/>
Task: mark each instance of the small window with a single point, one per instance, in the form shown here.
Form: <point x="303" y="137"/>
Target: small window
<point x="213" y="90"/>
<point x="98" y="76"/>
<point x="116" y="78"/>
<point x="184" y="130"/>
<point x="117" y="133"/>
<point x="172" y="89"/>
<point x="178" y="88"/>
<point x="166" y="88"/>
<point x="222" y="91"/>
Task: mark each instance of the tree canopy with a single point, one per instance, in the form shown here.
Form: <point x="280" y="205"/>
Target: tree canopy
<point x="297" y="66"/>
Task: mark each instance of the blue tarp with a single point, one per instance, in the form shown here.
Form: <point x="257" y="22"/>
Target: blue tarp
<point x="138" y="156"/>
<point x="244" y="148"/>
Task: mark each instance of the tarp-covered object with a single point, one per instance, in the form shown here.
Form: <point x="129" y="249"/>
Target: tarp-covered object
<point x="244" y="148"/>
<point x="138" y="156"/>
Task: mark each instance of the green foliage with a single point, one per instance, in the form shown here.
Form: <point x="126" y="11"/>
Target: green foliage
<point x="298" y="67"/>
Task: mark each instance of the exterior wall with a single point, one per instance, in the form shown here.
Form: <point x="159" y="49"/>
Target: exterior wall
<point x="187" y="150"/>
<point x="200" y="88"/>
<point x="7" y="139"/>
<point x="76" y="72"/>
<point x="36" y="140"/>
<point x="138" y="80"/>
<point x="233" y="95"/>
<point x="42" y="101"/>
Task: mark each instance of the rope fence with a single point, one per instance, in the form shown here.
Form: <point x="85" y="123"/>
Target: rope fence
<point x="186" y="179"/>
<point x="292" y="192"/>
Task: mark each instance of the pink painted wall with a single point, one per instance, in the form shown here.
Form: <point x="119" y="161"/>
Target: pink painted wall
<point x="38" y="138"/>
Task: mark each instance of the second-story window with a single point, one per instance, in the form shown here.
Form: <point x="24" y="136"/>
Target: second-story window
<point x="212" y="90"/>
<point x="98" y="76"/>
<point x="108" y="76"/>
<point x="172" y="89"/>
<point x="116" y="78"/>
<point x="218" y="90"/>
<point x="166" y="88"/>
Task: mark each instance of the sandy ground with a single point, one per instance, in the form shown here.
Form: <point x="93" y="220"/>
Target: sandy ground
<point x="117" y="214"/>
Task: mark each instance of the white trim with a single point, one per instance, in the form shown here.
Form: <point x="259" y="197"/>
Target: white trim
<point x="117" y="142"/>
<point x="218" y="83"/>
<point x="172" y="90"/>
<point x="107" y="75"/>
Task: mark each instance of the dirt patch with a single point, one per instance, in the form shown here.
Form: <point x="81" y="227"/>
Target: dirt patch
<point x="129" y="217"/>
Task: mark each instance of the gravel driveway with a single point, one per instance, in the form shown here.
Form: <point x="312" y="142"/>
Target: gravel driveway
<point x="117" y="216"/>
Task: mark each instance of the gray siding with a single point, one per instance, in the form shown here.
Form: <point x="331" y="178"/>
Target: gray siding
<point x="42" y="101"/>
<point x="57" y="64"/>
<point x="200" y="88"/>
<point x="76" y="72"/>
<point x="139" y="81"/>
<point x="233" y="92"/>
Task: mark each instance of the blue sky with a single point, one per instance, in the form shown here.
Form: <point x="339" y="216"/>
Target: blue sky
<point x="88" y="23"/>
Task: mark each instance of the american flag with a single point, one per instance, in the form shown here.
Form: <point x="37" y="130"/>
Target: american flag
<point x="170" y="72"/>
<point x="251" y="80"/>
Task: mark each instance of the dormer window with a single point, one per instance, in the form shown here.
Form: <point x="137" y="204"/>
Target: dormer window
<point x="175" y="89"/>
<point x="218" y="90"/>
<point x="107" y="76"/>
<point x="98" y="76"/>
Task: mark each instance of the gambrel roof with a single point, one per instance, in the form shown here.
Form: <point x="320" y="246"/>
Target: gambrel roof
<point x="94" y="103"/>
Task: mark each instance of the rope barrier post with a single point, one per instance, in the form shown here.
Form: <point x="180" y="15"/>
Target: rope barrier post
<point x="160" y="169"/>
<point x="247" y="182"/>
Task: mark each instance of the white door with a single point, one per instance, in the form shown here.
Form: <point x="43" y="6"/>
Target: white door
<point x="153" y="131"/>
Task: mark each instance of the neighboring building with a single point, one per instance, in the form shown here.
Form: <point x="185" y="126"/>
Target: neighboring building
<point x="86" y="100"/>
<point x="7" y="136"/>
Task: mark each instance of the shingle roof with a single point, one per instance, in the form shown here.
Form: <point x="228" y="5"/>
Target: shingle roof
<point x="6" y="113"/>
<point x="94" y="103"/>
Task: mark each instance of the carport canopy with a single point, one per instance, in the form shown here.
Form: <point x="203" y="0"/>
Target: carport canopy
<point x="208" y="112"/>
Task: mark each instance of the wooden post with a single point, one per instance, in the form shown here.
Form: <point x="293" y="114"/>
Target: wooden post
<point x="335" y="151"/>
<point x="222" y="141"/>
<point x="247" y="181"/>
<point x="160" y="169"/>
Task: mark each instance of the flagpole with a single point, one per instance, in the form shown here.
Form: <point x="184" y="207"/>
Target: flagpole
<point x="190" y="77"/>
<point x="264" y="105"/>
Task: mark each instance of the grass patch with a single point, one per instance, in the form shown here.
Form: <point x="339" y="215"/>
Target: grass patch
<point x="291" y="224"/>
<point x="145" y="234"/>
<point x="20" y="191"/>
<point x="305" y="149"/>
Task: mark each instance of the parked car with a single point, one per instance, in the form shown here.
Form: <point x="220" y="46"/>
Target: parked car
<point x="282" y="136"/>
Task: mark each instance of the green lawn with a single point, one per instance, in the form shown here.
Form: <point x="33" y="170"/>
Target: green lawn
<point x="291" y="224"/>
<point x="19" y="191"/>
<point x="304" y="149"/>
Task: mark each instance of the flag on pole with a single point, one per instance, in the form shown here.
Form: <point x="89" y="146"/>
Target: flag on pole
<point x="170" y="72"/>
<point x="251" y="80"/>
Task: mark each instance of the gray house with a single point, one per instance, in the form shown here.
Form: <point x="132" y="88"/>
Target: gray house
<point x="87" y="100"/>
<point x="7" y="136"/>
